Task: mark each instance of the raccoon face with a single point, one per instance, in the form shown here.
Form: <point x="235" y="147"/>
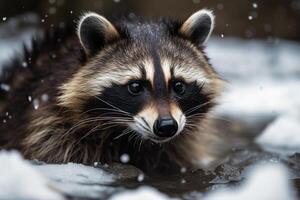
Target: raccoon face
<point x="150" y="78"/>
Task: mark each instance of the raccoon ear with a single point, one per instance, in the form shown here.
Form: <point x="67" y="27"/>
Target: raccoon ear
<point x="94" y="31"/>
<point x="198" y="26"/>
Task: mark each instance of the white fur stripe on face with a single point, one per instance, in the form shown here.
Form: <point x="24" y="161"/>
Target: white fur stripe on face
<point x="149" y="68"/>
<point x="150" y="71"/>
<point x="84" y="84"/>
<point x="191" y="74"/>
<point x="166" y="68"/>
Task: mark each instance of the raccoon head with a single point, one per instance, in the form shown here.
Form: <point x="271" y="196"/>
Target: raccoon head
<point x="147" y="77"/>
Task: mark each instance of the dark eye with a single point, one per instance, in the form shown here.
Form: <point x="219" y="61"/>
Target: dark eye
<point x="179" y="87"/>
<point x="135" y="88"/>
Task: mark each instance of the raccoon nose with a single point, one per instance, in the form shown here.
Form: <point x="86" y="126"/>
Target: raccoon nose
<point x="165" y="127"/>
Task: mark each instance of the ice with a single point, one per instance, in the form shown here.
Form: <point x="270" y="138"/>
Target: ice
<point x="266" y="182"/>
<point x="75" y="173"/>
<point x="83" y="181"/>
<point x="283" y="135"/>
<point x="78" y="180"/>
<point x="143" y="193"/>
<point x="19" y="180"/>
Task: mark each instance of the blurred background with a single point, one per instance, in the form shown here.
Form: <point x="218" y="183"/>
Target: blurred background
<point x="247" y="19"/>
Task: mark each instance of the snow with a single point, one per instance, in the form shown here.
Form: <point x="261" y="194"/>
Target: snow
<point x="282" y="136"/>
<point x="77" y="179"/>
<point x="263" y="78"/>
<point x="19" y="180"/>
<point x="143" y="193"/>
<point x="266" y="182"/>
<point x="75" y="173"/>
<point x="263" y="83"/>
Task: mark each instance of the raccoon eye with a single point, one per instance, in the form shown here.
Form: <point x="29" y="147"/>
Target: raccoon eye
<point x="135" y="88"/>
<point x="179" y="87"/>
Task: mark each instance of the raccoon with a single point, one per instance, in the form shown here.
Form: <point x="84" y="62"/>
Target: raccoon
<point x="120" y="86"/>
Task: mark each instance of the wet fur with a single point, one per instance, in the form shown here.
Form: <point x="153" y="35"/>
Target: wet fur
<point x="45" y="134"/>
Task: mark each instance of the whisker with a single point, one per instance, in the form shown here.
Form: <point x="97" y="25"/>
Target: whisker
<point x="106" y="109"/>
<point x="93" y="119"/>
<point x="125" y="132"/>
<point x="197" y="107"/>
<point x="111" y="105"/>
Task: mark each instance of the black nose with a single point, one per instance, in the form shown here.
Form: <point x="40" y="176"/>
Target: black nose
<point x="165" y="127"/>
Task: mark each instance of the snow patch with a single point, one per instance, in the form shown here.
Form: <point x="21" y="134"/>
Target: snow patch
<point x="282" y="136"/>
<point x="75" y="173"/>
<point x="266" y="182"/>
<point x="19" y="180"/>
<point x="143" y="193"/>
<point x="78" y="180"/>
<point x="263" y="77"/>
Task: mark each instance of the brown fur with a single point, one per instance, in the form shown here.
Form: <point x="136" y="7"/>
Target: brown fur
<point x="56" y="132"/>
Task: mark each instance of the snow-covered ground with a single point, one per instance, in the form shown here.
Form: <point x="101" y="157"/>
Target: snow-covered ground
<point x="22" y="180"/>
<point x="263" y="83"/>
<point x="266" y="182"/>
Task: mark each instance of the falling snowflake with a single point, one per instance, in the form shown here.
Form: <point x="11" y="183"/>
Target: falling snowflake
<point x="24" y="64"/>
<point x="45" y="97"/>
<point x="124" y="158"/>
<point x="183" y="170"/>
<point x="141" y="177"/>
<point x="36" y="104"/>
